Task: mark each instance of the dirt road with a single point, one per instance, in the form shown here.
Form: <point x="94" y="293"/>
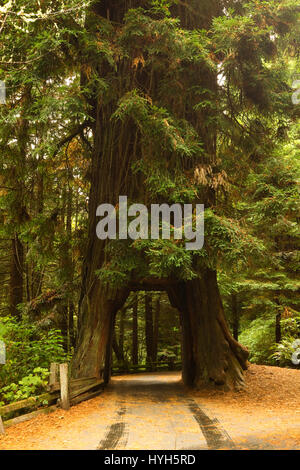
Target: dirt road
<point x="155" y="411"/>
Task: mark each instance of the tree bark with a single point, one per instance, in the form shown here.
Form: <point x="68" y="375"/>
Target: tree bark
<point x="135" y="345"/>
<point x="37" y="273"/>
<point x="235" y="316"/>
<point x="278" y="320"/>
<point x="278" y="328"/>
<point x="69" y="258"/>
<point x="149" y="328"/>
<point x="66" y="308"/>
<point x="71" y="325"/>
<point x="121" y="333"/>
<point x="16" y="277"/>
<point x="18" y="209"/>
<point x="96" y="322"/>
<point x="116" y="348"/>
<point x="210" y="353"/>
<point x="156" y="327"/>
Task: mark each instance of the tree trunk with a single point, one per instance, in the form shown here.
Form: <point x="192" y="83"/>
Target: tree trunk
<point x="116" y="348"/>
<point x="149" y="328"/>
<point x="17" y="207"/>
<point x="96" y="324"/>
<point x="69" y="259"/>
<point x="16" y="277"/>
<point x="66" y="309"/>
<point x="210" y="353"/>
<point x="63" y="321"/>
<point x="37" y="273"/>
<point x="235" y="316"/>
<point x="121" y="333"/>
<point x="71" y="325"/>
<point x="135" y="346"/>
<point x="278" y="320"/>
<point x="278" y="328"/>
<point x="156" y="327"/>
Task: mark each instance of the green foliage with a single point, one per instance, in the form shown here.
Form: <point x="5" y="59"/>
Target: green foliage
<point x="29" y="386"/>
<point x="157" y="126"/>
<point x="228" y="242"/>
<point x="168" y="354"/>
<point x="258" y="337"/>
<point x="166" y="258"/>
<point x="283" y="351"/>
<point x="28" y="348"/>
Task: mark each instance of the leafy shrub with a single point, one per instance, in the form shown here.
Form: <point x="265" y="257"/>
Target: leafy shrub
<point x="259" y="337"/>
<point x="31" y="385"/>
<point x="167" y="354"/>
<point x="28" y="348"/>
<point x="283" y="351"/>
<point x="290" y="326"/>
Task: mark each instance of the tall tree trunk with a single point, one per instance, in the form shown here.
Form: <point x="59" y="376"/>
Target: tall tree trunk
<point x="66" y="309"/>
<point x="116" y="349"/>
<point x="278" y="328"/>
<point x="118" y="346"/>
<point x="121" y="333"/>
<point x="63" y="325"/>
<point x="210" y="353"/>
<point x="135" y="345"/>
<point x="156" y="327"/>
<point x="18" y="208"/>
<point x="278" y="320"/>
<point x="71" y="324"/>
<point x="148" y="328"/>
<point x="16" y="277"/>
<point x="37" y="273"/>
<point x="69" y="261"/>
<point x="235" y="316"/>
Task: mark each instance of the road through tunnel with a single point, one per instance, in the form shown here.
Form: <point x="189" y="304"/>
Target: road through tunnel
<point x="146" y="334"/>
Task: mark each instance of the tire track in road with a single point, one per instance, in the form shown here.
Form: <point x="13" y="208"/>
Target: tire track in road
<point x="170" y="412"/>
<point x="216" y="437"/>
<point x="116" y="431"/>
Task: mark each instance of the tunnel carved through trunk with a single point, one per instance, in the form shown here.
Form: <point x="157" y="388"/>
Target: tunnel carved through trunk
<point x="210" y="353"/>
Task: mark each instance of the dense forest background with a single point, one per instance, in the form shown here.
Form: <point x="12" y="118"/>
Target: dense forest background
<point x="45" y="173"/>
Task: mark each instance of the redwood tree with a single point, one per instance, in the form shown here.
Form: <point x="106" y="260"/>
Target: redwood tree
<point x="179" y="94"/>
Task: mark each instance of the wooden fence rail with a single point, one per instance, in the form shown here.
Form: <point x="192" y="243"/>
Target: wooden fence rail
<point x="151" y="367"/>
<point x="62" y="391"/>
<point x="28" y="403"/>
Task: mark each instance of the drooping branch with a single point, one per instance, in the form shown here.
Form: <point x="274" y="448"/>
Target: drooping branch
<point x="71" y="136"/>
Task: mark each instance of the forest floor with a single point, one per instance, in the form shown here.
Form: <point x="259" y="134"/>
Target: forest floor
<point x="155" y="411"/>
